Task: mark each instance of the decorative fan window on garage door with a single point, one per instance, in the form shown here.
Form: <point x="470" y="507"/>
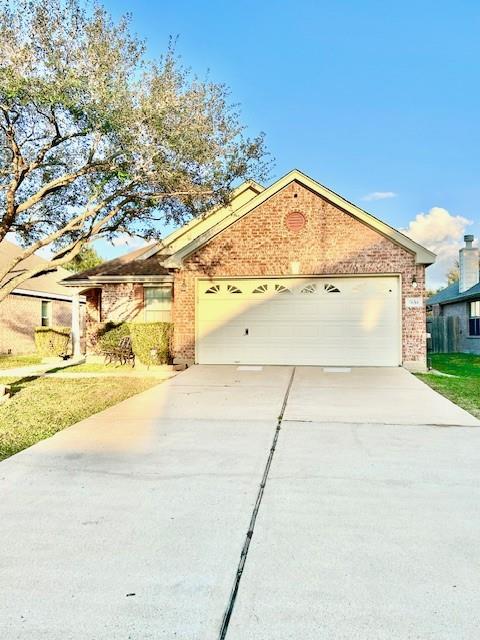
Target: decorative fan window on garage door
<point x="261" y="289"/>
<point x="214" y="289"/>
<point x="279" y="288"/>
<point x="331" y="288"/>
<point x="309" y="288"/>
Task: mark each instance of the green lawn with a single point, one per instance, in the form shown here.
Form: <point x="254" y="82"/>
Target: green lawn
<point x="100" y="367"/>
<point x="42" y="406"/>
<point x="96" y="367"/>
<point x="457" y="364"/>
<point x="464" y="388"/>
<point x="12" y="362"/>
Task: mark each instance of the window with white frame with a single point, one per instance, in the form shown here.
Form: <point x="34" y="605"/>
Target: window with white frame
<point x="46" y="313"/>
<point x="474" y="320"/>
<point x="158" y="304"/>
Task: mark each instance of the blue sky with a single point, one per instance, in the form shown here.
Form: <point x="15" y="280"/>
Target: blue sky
<point x="365" y="96"/>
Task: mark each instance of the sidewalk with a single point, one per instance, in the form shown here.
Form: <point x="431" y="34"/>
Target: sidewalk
<point x="39" y="369"/>
<point x="124" y="372"/>
<point x="62" y="369"/>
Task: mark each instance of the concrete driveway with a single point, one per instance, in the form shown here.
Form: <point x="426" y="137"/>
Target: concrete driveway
<point x="171" y="515"/>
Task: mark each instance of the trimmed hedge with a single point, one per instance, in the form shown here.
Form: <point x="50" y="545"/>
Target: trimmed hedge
<point x="111" y="334"/>
<point x="52" y="341"/>
<point x="150" y="340"/>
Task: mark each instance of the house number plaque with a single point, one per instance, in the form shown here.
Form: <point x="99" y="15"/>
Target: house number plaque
<point x="414" y="303"/>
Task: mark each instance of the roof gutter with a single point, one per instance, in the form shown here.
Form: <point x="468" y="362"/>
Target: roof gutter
<point x="99" y="280"/>
<point x="45" y="295"/>
<point x="461" y="298"/>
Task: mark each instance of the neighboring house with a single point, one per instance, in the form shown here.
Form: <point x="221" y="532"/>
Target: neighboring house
<point x="289" y="274"/>
<point x="39" y="301"/>
<point x="462" y="299"/>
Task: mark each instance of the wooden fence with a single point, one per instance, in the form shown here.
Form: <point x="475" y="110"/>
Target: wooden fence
<point x="444" y="332"/>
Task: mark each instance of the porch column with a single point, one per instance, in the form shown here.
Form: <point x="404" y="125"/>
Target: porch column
<point x="76" y="324"/>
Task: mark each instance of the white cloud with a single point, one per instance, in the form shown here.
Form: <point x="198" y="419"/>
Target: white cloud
<point x="379" y="195"/>
<point x="442" y="233"/>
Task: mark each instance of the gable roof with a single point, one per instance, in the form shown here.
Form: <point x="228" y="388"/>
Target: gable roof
<point x="131" y="265"/>
<point x="48" y="283"/>
<point x="147" y="263"/>
<point x="217" y="224"/>
<point x="156" y="261"/>
<point x="451" y="294"/>
<point x="185" y="234"/>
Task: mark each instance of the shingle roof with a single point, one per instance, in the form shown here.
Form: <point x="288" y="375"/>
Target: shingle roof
<point x="130" y="264"/>
<point x="47" y="283"/>
<point x="452" y="294"/>
<point x="152" y="260"/>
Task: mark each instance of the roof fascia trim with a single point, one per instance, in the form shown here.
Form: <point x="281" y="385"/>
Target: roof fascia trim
<point x="464" y="298"/>
<point x="45" y="295"/>
<point x="177" y="233"/>
<point x="99" y="280"/>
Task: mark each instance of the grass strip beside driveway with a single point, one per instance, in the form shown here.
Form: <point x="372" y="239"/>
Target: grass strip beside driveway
<point x="42" y="406"/>
<point x="15" y="362"/>
<point x="464" y="388"/>
<point x="113" y="369"/>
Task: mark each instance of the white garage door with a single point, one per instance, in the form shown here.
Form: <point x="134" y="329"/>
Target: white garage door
<point x="312" y="321"/>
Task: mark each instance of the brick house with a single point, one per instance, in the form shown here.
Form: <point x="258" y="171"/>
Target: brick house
<point x="39" y="301"/>
<point x="289" y="274"/>
<point x="461" y="300"/>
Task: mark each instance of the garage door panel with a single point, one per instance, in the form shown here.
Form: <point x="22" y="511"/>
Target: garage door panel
<point x="330" y="321"/>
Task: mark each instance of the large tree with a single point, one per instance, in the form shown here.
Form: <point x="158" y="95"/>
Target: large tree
<point x="87" y="258"/>
<point x="453" y="274"/>
<point x="97" y="140"/>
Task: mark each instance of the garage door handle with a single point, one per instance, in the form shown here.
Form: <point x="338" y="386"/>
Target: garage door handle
<point x="246" y="332"/>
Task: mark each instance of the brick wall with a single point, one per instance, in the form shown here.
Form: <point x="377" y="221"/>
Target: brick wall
<point x="122" y="302"/>
<point x="93" y="312"/>
<point x="61" y="313"/>
<point x="19" y="315"/>
<point x="332" y="242"/>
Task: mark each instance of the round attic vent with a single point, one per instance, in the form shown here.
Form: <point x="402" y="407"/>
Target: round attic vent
<point x="295" y="220"/>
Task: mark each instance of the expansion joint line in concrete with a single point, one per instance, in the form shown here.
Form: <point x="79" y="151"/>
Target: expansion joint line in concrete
<point x="243" y="556"/>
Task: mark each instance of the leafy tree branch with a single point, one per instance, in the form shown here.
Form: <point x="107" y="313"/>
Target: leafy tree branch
<point x="95" y="139"/>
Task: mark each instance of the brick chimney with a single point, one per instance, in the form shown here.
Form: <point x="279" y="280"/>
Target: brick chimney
<point x="469" y="268"/>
